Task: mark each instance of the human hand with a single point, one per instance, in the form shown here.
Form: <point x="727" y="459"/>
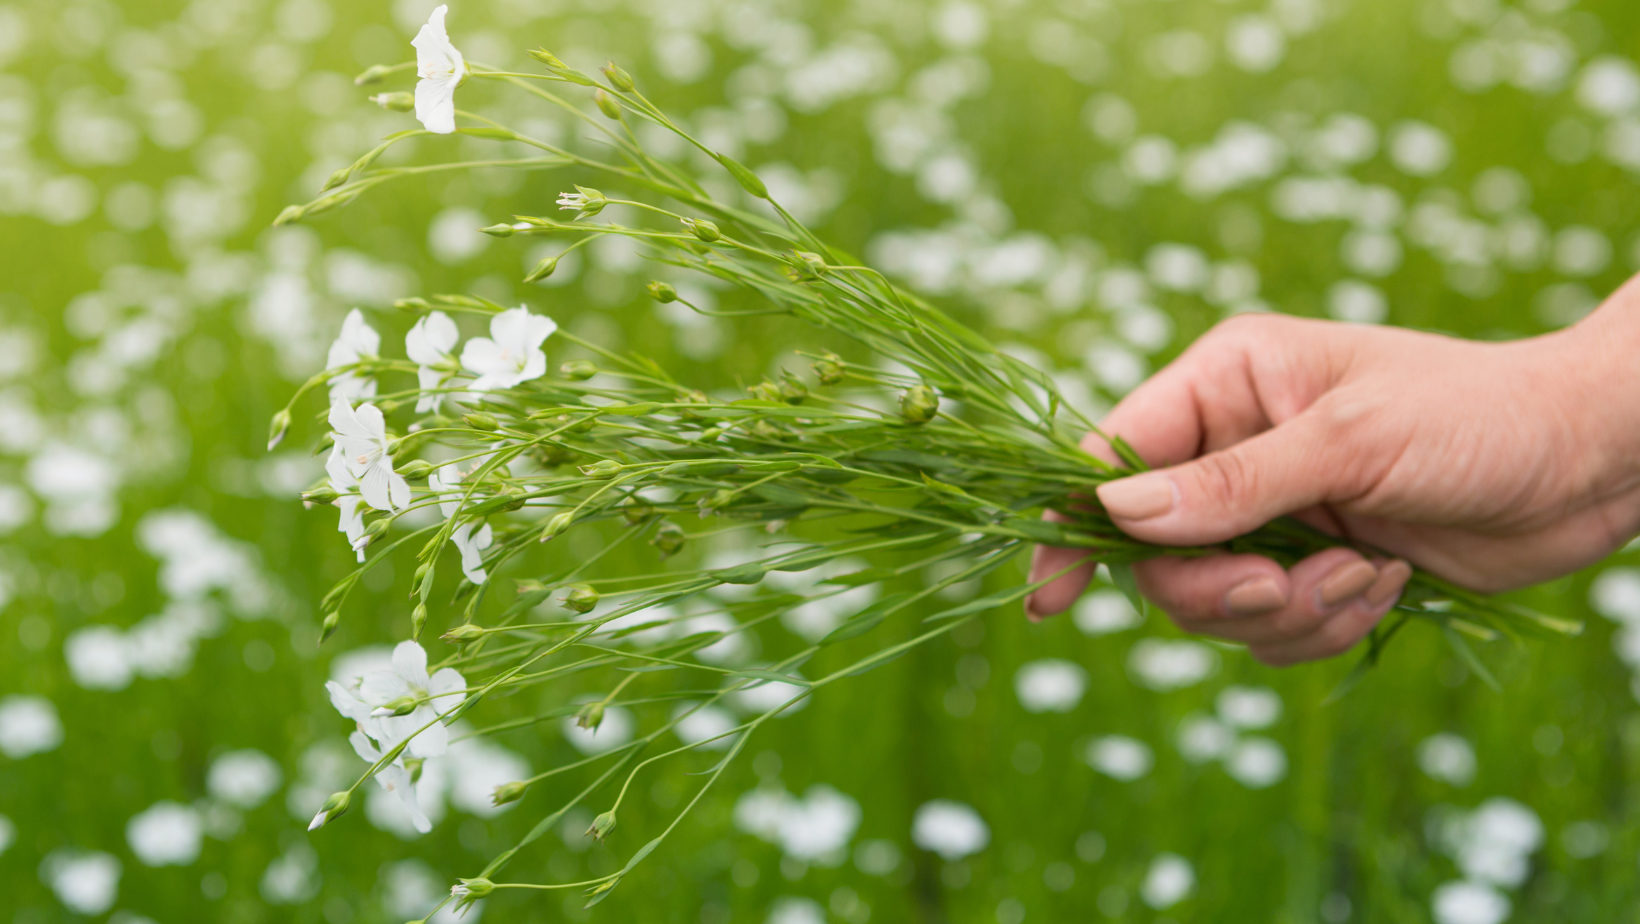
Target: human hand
<point x="1493" y="465"/>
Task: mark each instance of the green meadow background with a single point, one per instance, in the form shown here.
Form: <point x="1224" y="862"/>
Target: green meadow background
<point x="1092" y="183"/>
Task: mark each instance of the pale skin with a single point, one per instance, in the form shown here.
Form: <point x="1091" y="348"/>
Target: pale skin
<point x="1493" y="465"/>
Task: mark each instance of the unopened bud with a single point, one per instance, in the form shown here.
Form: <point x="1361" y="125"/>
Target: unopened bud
<point x="546" y="57"/>
<point x="661" y="292"/>
<point x="602" y="825"/>
<point x="557" y="525"/>
<point x="469" y="890"/>
<point x="328" y="627"/>
<point x="668" y="539"/>
<point x="919" y="404"/>
<point x="765" y="391"/>
<point x="829" y="368"/>
<point x="607" y="104"/>
<point x="333" y="807"/>
<point x="703" y="230"/>
<point x="287" y="215"/>
<point x="278" y="427"/>
<point x="618" y="78"/>
<point x="479" y="420"/>
<point x="793" y="392"/>
<point x="322" y="495"/>
<point x="581" y="598"/>
<point x="804" y="266"/>
<point x="337" y="179"/>
<point x="415" y="469"/>
<point x="603" y="468"/>
<point x="403" y="705"/>
<point x="375" y="530"/>
<point x="637" y="510"/>
<point x="501" y="230"/>
<point x="578" y="370"/>
<point x="375" y="73"/>
<point x="508" y="792"/>
<point x="412" y="304"/>
<point x="590" y="716"/>
<point x="418" y="619"/>
<point x="563" y="70"/>
<point x="466" y="632"/>
<point x="397" y="102"/>
<point x="542" y="270"/>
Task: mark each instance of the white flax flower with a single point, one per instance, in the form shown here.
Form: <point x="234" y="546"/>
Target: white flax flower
<point x="441" y="69"/>
<point x="512" y="353"/>
<point x="407" y="684"/>
<point x="470" y="538"/>
<point x="396" y="778"/>
<point x="348" y="501"/>
<point x="430" y="344"/>
<point x="361" y="434"/>
<point x="357" y="341"/>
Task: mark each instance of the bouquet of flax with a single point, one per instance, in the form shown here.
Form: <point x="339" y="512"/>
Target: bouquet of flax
<point x="654" y="531"/>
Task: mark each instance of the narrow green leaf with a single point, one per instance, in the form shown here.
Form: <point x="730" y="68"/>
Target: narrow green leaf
<point x="866" y="620"/>
<point x="1122" y="576"/>
<point x="767" y="675"/>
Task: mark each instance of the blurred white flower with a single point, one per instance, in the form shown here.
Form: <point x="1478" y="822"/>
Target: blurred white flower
<point x="1202" y="738"/>
<point x="1050" y="685"/>
<point x="1170" y="880"/>
<point x="361" y="434"/>
<point x="407" y="680"/>
<point x="98" y="658"/>
<point x="429" y="345"/>
<point x="394" y="778"/>
<point x="1256" y="763"/>
<point x="357" y="341"/>
<point x="512" y="353"/>
<point x="1249" y="707"/>
<point x="1119" y="757"/>
<point x="813" y="829"/>
<point x="709" y="724"/>
<point x="791" y="909"/>
<point x="8" y="834"/>
<point x="614" y="731"/>
<point x="293" y="877"/>
<point x="1163" y="665"/>
<point x="1469" y="903"/>
<point x="1104" y="612"/>
<point x="28" y="725"/>
<point x="1448" y="758"/>
<point x="441" y="69"/>
<point x="762" y="696"/>
<point x="951" y="829"/>
<point x="165" y="834"/>
<point x="470" y="538"/>
<point x="244" y="778"/>
<point x="86" y="881"/>
<point x="477" y="767"/>
<point x="349" y="501"/>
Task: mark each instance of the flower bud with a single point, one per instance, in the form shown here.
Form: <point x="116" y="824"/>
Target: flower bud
<point x="396" y="102"/>
<point x="328" y="627"/>
<point x="668" y="539"/>
<point x="765" y="391"/>
<point x="278" y="427"/>
<point x="469" y="890"/>
<point x="287" y="215"/>
<point x="557" y="525"/>
<point x="466" y="632"/>
<point x="543" y="269"/>
<point x="508" y="792"/>
<point x="322" y="495"/>
<point x="375" y="530"/>
<point x="501" y="230"/>
<point x="603" y="468"/>
<point x="792" y="391"/>
<point x="412" y="304"/>
<point x="803" y="266"/>
<point x="578" y="370"/>
<point x="607" y="104"/>
<point x="703" y="230"/>
<point x="590" y="716"/>
<point x="581" y="598"/>
<point x="563" y="70"/>
<point x="416" y="469"/>
<point x="637" y="510"/>
<point x="710" y="434"/>
<point x="661" y="292"/>
<point x="829" y="368"/>
<point x="333" y="807"/>
<point x="479" y="420"/>
<point x="919" y="404"/>
<point x="403" y="705"/>
<point x="618" y="78"/>
<point x="337" y="179"/>
<point x="375" y="73"/>
<point x="418" y="619"/>
<point x="602" y="825"/>
<point x="553" y="455"/>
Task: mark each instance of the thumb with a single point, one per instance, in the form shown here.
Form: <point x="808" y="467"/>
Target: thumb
<point x="1225" y="494"/>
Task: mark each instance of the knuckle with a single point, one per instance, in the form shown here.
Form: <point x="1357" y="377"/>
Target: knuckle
<point x="1224" y="478"/>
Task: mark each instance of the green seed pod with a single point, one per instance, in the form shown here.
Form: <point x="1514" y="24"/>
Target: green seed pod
<point x="553" y="455"/>
<point x="479" y="420"/>
<point x="543" y="269"/>
<point x="557" y="525"/>
<point x="395" y="102"/>
<point x="765" y="391"/>
<point x="829" y="368"/>
<point x="508" y="792"/>
<point x="578" y="370"/>
<point x="919" y="404"/>
<point x="278" y="427"/>
<point x="602" y="825"/>
<point x="590" y="716"/>
<point x="321" y="496"/>
<point x="618" y="78"/>
<point x="661" y="292"/>
<point x="500" y="230"/>
<point x="465" y="632"/>
<point x="607" y="104"/>
<point x="603" y="468"/>
<point x="416" y="469"/>
<point x="581" y="598"/>
<point x="792" y="391"/>
<point x="375" y="73"/>
<point x="703" y="230"/>
<point x="418" y="619"/>
<point x="668" y="539"/>
<point x="711" y="434"/>
<point x="637" y="510"/>
<point x="803" y="266"/>
<point x="470" y="890"/>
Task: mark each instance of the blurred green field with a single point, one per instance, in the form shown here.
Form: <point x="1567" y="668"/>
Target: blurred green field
<point x="1092" y="182"/>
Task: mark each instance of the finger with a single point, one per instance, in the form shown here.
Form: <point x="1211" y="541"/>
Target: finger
<point x="1318" y="587"/>
<point x="1344" y="629"/>
<point x="1057" y="596"/>
<point x="1216" y="588"/>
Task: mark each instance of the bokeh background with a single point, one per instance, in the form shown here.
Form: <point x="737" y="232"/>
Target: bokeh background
<point x="1091" y="182"/>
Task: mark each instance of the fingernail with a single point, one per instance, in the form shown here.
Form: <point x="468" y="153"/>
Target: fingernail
<point x="1392" y="578"/>
<point x="1255" y="597"/>
<point x="1141" y="497"/>
<point x="1030" y="609"/>
<point x="1346" y="581"/>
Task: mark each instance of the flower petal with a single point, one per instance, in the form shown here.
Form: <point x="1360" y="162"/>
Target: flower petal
<point x="446" y="689"/>
<point x="373" y="485"/>
<point x="379" y="687"/>
<point x="410" y="663"/>
<point x="436" y="105"/>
